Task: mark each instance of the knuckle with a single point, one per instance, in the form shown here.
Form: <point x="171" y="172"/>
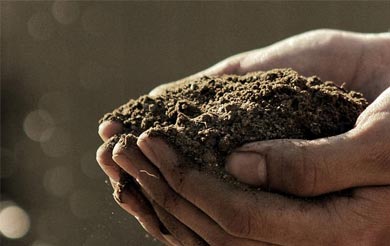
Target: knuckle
<point x="368" y="225"/>
<point x="305" y="182"/>
<point x="178" y="180"/>
<point x="379" y="155"/>
<point x="169" y="201"/>
<point x="163" y="196"/>
<point x="239" y="223"/>
<point x="103" y="155"/>
<point x="99" y="155"/>
<point x="298" y="172"/>
<point x="377" y="152"/>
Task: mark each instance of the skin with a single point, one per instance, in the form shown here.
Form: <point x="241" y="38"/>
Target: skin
<point x="198" y="209"/>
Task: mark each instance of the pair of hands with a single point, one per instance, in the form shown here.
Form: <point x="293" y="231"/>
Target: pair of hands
<point x="182" y="206"/>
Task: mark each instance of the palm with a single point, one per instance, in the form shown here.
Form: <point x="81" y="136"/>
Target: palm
<point x="359" y="61"/>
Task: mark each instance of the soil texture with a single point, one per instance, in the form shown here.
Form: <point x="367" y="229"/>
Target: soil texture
<point x="207" y="118"/>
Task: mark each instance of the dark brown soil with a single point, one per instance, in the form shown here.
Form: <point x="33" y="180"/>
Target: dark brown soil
<point x="207" y="118"/>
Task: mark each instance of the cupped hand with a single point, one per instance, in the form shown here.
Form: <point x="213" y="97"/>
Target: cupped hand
<point x="159" y="223"/>
<point x="222" y="214"/>
<point x="357" y="158"/>
<point x="360" y="60"/>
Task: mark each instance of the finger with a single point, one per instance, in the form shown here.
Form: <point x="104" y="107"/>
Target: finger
<point x="133" y="202"/>
<point x="130" y="199"/>
<point x="131" y="159"/>
<point x="177" y="233"/>
<point x="170" y="229"/>
<point x="108" y="129"/>
<point x="357" y="158"/>
<point x="311" y="53"/>
<point x="104" y="158"/>
<point x="138" y="206"/>
<point x="182" y="233"/>
<point x="256" y="215"/>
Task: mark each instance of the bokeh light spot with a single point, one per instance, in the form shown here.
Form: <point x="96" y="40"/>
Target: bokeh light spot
<point x="38" y="125"/>
<point x="66" y="12"/>
<point x="14" y="222"/>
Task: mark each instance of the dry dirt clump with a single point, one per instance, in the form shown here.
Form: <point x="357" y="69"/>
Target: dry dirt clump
<point x="209" y="117"/>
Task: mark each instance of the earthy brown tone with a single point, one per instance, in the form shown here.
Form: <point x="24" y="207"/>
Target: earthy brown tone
<point x="207" y="118"/>
<point x="139" y="45"/>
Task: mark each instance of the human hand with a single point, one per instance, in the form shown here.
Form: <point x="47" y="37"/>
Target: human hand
<point x="357" y="158"/>
<point x="310" y="53"/>
<point x="222" y="214"/>
<point x="361" y="61"/>
<point x="133" y="199"/>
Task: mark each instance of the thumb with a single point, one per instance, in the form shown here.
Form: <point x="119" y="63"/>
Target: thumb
<point x="313" y="167"/>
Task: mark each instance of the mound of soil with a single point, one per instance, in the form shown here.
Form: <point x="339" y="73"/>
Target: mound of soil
<point x="207" y="118"/>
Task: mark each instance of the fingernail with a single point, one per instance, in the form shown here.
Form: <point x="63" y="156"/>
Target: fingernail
<point x="108" y="128"/>
<point x="247" y="167"/>
<point x="144" y="143"/>
<point x="124" y="158"/>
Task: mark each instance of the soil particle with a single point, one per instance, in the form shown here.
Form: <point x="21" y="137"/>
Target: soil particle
<point x="207" y="118"/>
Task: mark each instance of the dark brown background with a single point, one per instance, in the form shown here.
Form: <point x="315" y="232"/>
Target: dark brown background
<point x="65" y="64"/>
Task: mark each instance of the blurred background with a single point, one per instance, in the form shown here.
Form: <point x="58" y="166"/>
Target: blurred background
<point x="65" y="63"/>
